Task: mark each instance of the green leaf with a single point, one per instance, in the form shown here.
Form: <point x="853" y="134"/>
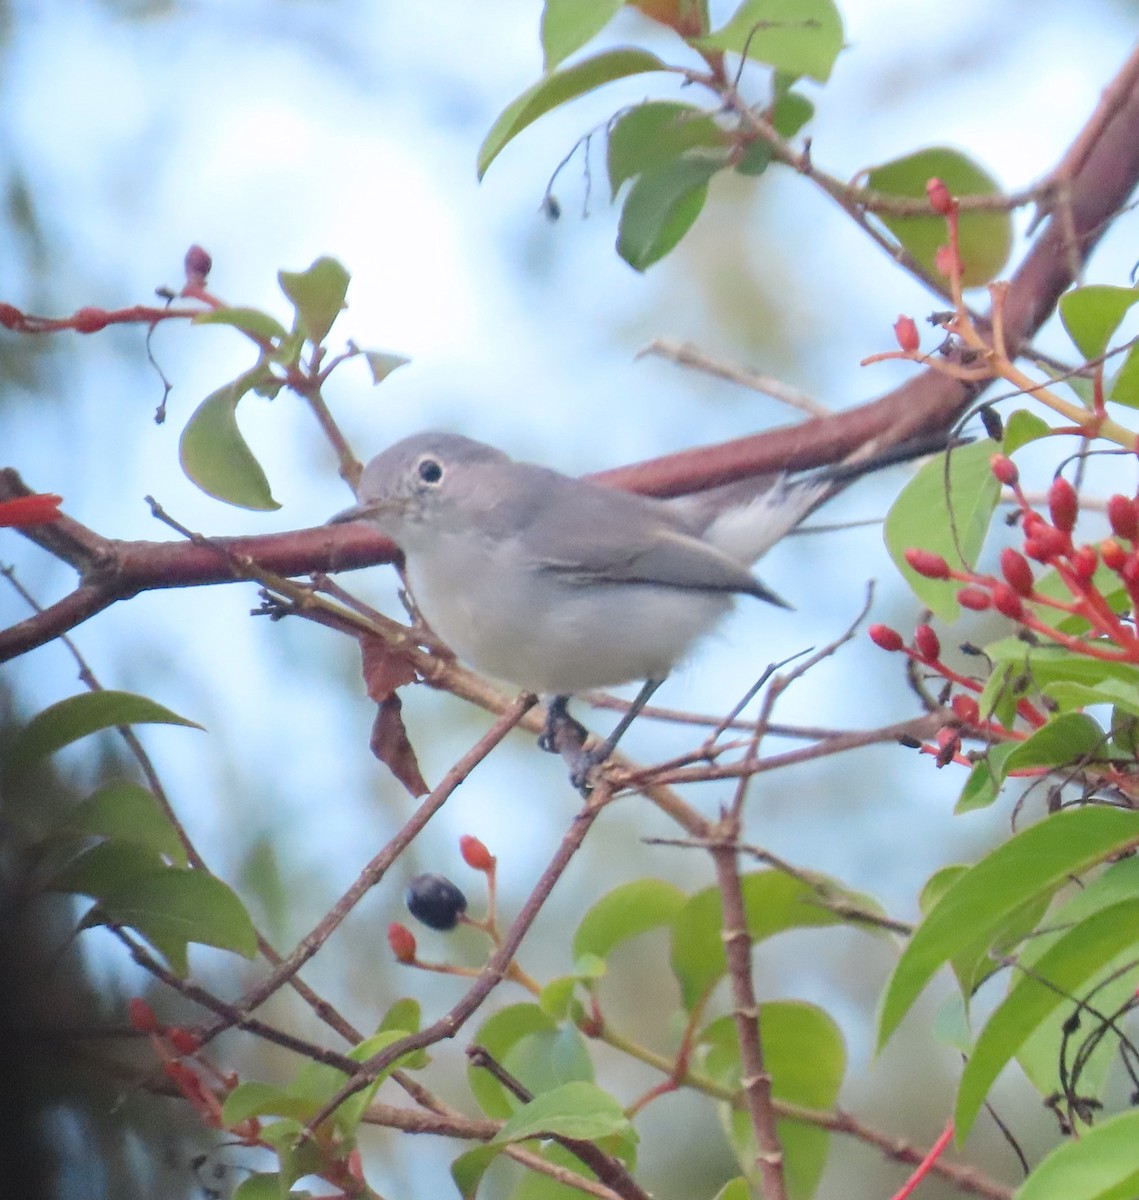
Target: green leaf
<point x="1028" y="866"/>
<point x="1124" y="387"/>
<point x="1021" y="428"/>
<point x="800" y="37"/>
<point x="985" y="237"/>
<point x="173" y="906"/>
<point x="805" y="1055"/>
<point x="1102" y="1164"/>
<point x="986" y="778"/>
<point x="382" y="364"/>
<point x="1093" y="313"/>
<point x="103" y="868"/>
<point x="500" y="1034"/>
<point x="256" y="1099"/>
<point x="734" y="1189"/>
<point x="260" y="326"/>
<point x="791" y="112"/>
<point x="662" y="205"/>
<point x="124" y="811"/>
<point x="216" y="457"/>
<point x="1066" y="740"/>
<point x="1066" y="967"/>
<point x="468" y="1169"/>
<point x="78" y="716"/>
<point x="557" y="88"/>
<point x="626" y="912"/>
<point x="574" y="1110"/>
<point x="317" y="294"/>
<point x="774" y="901"/>
<point x="654" y="134"/>
<point x="920" y="518"/>
<point x="568" y="24"/>
<point x="265" y="1185"/>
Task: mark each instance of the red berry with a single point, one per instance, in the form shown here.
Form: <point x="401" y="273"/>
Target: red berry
<point x="1063" y="504"/>
<point x="183" y="1040"/>
<point x="1122" y="516"/>
<point x="402" y="942"/>
<point x="141" y="1016"/>
<point x="940" y="199"/>
<point x="1047" y="543"/>
<point x="1004" y="469"/>
<point x="926" y="563"/>
<point x="885" y="638"/>
<point x="1017" y="572"/>
<point x="927" y="642"/>
<point x="1007" y="602"/>
<point x="1084" y="563"/>
<point x="475" y="854"/>
<point x="1130" y="570"/>
<point x="906" y="331"/>
<point x="975" y="598"/>
<point x="1113" y="554"/>
<point x="965" y="708"/>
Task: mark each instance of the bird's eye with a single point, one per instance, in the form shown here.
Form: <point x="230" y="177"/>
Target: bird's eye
<point x="430" y="471"/>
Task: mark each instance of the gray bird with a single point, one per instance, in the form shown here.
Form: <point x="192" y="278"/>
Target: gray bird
<point x="557" y="584"/>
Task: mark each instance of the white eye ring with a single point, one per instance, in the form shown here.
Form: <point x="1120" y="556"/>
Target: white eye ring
<point x="429" y="470"/>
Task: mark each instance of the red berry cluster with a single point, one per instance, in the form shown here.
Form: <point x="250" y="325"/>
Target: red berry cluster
<point x="1015" y="595"/>
<point x="199" y="1082"/>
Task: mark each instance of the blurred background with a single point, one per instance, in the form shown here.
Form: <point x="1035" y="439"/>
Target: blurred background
<point x="273" y="132"/>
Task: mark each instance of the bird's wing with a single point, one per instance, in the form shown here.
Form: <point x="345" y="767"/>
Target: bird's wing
<point x="605" y="536"/>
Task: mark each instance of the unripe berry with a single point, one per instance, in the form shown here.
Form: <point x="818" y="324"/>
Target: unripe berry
<point x="1007" y="602"/>
<point x="1004" y="469"/>
<point x="183" y="1040"/>
<point x="1017" y="572"/>
<point x="402" y="942"/>
<point x="974" y="598"/>
<point x="1063" y="504"/>
<point x="907" y="334"/>
<point x="965" y="708"/>
<point x="926" y="563"/>
<point x="1047" y="543"/>
<point x="1113" y="554"/>
<point x="1123" y="518"/>
<point x="141" y="1016"/>
<point x="475" y="854"/>
<point x="927" y="642"/>
<point x="885" y="638"/>
<point x="1084" y="563"/>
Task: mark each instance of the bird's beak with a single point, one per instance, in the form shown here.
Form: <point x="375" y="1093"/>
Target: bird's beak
<point x="358" y="512"/>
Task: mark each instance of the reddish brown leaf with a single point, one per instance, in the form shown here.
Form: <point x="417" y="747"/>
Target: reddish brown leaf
<point x="384" y="669"/>
<point x="391" y="746"/>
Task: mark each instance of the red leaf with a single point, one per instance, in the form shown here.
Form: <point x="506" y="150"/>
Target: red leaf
<point x="391" y="746"/>
<point x="385" y="669"/>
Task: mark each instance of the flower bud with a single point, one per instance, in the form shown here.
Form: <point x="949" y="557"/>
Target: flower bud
<point x="1007" y="602"/>
<point x="1063" y="504"/>
<point x="926" y="563"/>
<point x="1017" y="572"/>
<point x="907" y="334"/>
<point x="1123" y="518"/>
<point x="927" y="642"/>
<point x="402" y="942"/>
<point x="475" y="854"/>
<point x="974" y="598"/>
<point x="885" y="638"/>
<point x="1004" y="469"/>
